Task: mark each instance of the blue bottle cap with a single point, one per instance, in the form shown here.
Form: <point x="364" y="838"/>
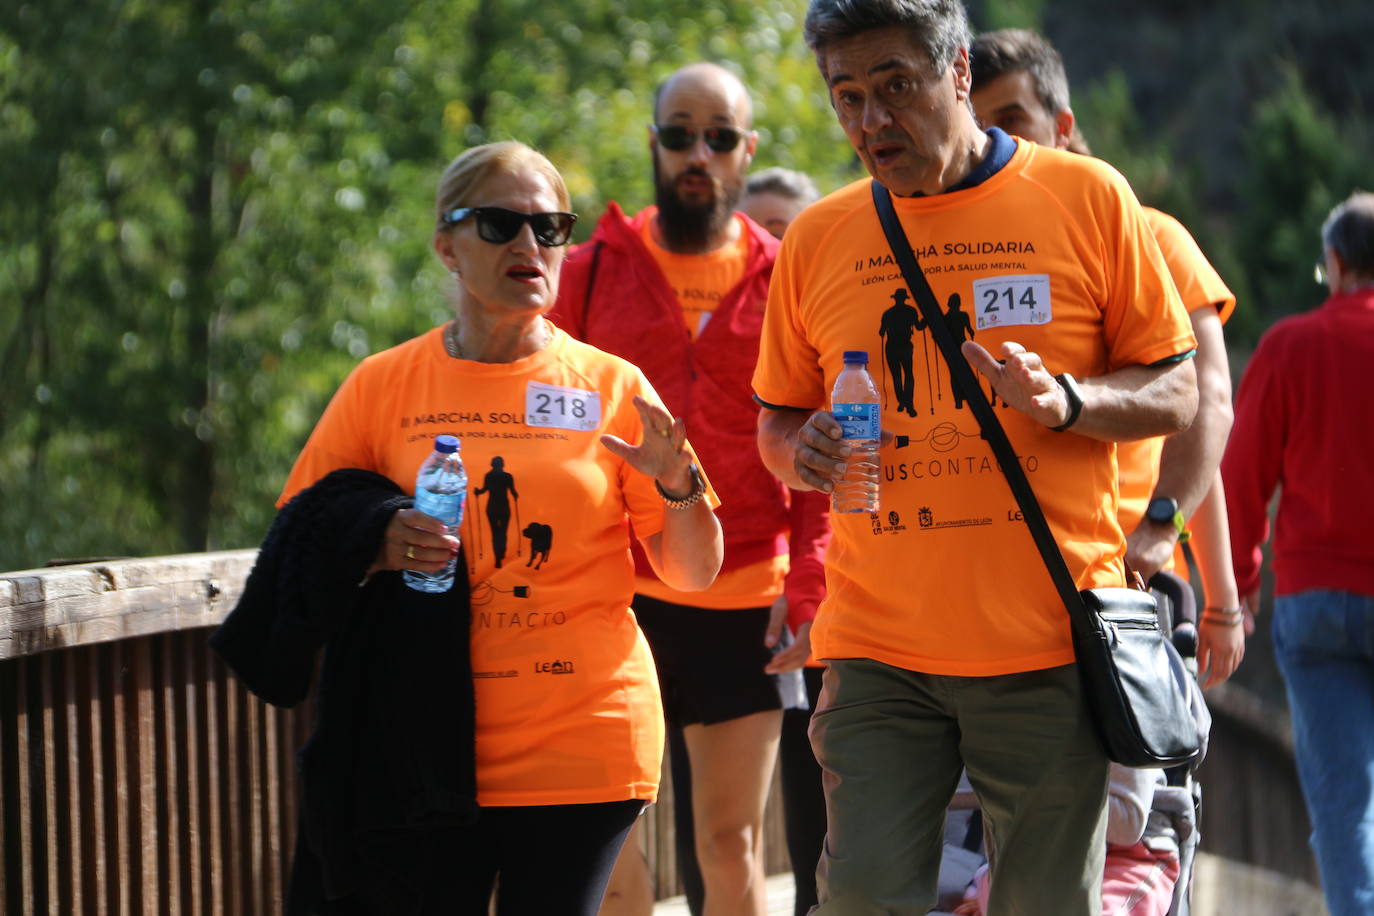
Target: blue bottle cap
<point x="856" y="356"/>
<point x="446" y="444"/>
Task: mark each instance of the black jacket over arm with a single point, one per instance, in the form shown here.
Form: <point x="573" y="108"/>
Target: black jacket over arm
<point x="391" y="761"/>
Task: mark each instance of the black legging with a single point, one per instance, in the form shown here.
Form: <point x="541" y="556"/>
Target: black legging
<point x="549" y="859"/>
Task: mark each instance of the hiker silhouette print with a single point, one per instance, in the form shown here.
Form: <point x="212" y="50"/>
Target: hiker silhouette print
<point x="899" y="324"/>
<point x="957" y="320"/>
<point x="898" y="328"/>
<point x="502" y="501"/>
<point x="495" y="506"/>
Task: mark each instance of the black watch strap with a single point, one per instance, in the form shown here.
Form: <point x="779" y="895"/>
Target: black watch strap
<point x="1075" y="398"/>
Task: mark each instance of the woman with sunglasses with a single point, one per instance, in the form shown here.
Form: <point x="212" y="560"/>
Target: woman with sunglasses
<point x="569" y="730"/>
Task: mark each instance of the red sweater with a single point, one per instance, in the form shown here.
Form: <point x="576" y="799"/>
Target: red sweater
<point x="613" y="295"/>
<point x="1305" y="423"/>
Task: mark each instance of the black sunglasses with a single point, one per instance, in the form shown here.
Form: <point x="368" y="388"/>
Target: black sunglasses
<point x="499" y="225"/>
<point x="678" y="137"/>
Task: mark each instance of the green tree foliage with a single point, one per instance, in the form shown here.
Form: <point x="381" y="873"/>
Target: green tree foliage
<point x="212" y="210"/>
<point x="1301" y="164"/>
<point x="157" y="248"/>
<point x="1008" y="14"/>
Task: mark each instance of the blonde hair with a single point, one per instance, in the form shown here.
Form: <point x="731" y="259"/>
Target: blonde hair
<point x="466" y="175"/>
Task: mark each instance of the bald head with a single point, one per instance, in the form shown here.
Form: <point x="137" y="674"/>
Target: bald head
<point x="702" y="143"/>
<point x="705" y="81"/>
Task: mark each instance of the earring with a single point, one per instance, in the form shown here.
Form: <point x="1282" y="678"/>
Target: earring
<point x="455" y="273"/>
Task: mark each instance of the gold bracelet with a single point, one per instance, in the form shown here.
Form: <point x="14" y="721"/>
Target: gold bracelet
<point x="693" y="497"/>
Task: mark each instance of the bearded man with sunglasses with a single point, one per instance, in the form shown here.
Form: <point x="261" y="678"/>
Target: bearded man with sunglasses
<point x="679" y="290"/>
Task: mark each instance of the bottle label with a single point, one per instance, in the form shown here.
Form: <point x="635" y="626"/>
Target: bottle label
<point x="446" y="507"/>
<point x="858" y="421"/>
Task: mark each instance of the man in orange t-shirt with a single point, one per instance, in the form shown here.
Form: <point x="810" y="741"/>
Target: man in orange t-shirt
<point x="679" y="291"/>
<point x="948" y="646"/>
<point x="1019" y="84"/>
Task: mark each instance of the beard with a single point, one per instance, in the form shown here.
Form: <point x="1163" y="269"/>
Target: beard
<point x="689" y="226"/>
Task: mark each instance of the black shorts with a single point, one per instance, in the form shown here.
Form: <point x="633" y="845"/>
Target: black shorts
<point x="710" y="662"/>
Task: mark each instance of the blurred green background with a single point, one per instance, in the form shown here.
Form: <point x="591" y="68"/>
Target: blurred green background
<point x="210" y="211"/>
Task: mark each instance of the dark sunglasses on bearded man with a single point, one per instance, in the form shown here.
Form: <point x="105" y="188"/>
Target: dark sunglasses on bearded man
<point x="499" y="225"/>
<point x="677" y="137"/>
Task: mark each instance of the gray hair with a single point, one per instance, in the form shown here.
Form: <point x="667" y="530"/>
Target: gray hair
<point x="1349" y="231"/>
<point x="940" y="27"/>
<point x="787" y="183"/>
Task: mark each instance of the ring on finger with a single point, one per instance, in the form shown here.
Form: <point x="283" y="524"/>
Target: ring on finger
<point x="410" y="552"/>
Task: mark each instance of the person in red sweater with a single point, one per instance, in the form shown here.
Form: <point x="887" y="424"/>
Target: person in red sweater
<point x="679" y="291"/>
<point x="1303" y="420"/>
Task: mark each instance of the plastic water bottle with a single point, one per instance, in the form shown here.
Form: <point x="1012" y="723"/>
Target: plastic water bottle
<point x="441" y="490"/>
<point x="854" y="402"/>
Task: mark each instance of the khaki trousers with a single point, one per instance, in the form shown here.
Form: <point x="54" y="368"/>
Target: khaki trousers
<point x="892" y="743"/>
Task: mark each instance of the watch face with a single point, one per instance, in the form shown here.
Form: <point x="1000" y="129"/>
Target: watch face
<point x="1161" y="510"/>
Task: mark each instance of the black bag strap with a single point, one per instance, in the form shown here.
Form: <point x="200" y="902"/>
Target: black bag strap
<point x="963" y="376"/>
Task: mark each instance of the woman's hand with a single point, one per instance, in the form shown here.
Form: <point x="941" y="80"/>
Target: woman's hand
<point x="415" y="541"/>
<point x="1220" y="648"/>
<point x="662" y="454"/>
<point x="687" y="553"/>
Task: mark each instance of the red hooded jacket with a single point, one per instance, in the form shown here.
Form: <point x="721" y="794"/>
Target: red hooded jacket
<point x="613" y="296"/>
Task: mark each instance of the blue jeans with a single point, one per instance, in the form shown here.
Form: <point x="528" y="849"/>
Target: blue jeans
<point x="1324" y="641"/>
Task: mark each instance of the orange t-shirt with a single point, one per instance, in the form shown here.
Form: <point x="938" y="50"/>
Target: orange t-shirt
<point x="1199" y="286"/>
<point x="1051" y="252"/>
<point x="700" y="282"/>
<point x="567" y="696"/>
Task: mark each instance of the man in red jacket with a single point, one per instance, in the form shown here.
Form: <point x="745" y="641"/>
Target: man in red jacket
<point x="679" y="290"/>
<point x="1303" y="419"/>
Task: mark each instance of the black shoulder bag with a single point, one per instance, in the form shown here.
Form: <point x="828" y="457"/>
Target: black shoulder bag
<point x="1135" y="682"/>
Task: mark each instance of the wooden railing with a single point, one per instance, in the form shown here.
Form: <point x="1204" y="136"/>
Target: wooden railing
<point x="137" y="776"/>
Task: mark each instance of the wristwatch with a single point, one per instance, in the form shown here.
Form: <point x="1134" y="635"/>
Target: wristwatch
<point x="1074" y="394"/>
<point x="693" y="496"/>
<point x="1163" y="510"/>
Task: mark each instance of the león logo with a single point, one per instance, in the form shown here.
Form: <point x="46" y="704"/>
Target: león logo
<point x="925" y="517"/>
<point x="557" y="666"/>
